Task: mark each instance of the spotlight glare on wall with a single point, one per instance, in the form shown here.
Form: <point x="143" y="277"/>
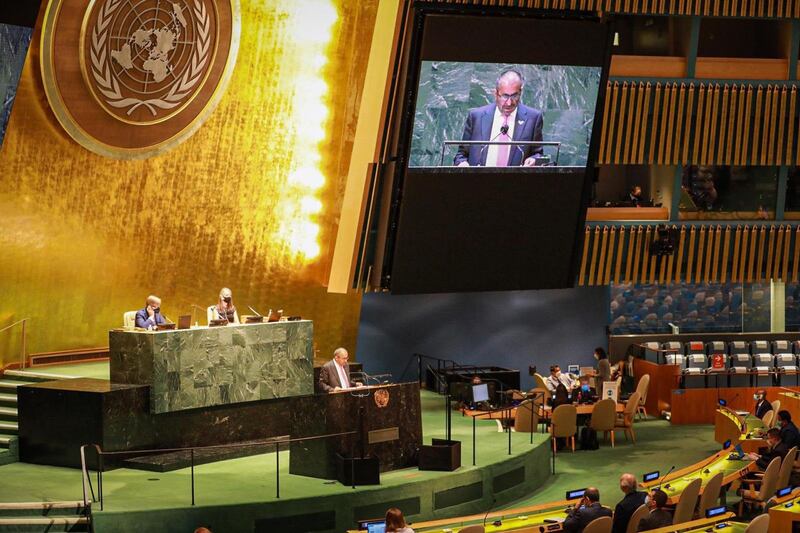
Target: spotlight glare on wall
<point x="310" y="26"/>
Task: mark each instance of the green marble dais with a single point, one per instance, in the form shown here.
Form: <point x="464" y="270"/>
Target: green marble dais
<point x="201" y="367"/>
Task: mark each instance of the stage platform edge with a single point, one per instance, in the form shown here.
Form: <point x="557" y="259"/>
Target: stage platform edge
<point x="469" y="490"/>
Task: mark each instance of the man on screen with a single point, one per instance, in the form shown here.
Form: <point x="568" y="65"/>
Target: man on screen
<point x="505" y="120"/>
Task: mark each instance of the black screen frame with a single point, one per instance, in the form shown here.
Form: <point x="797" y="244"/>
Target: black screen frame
<point x="419" y="46"/>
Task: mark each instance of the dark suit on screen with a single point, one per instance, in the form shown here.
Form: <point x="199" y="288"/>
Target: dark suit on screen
<point x="329" y="377"/>
<point x="527" y="127"/>
<point x="578" y="519"/>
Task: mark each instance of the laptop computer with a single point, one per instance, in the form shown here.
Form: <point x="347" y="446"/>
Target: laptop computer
<point x="165" y="326"/>
<point x="275" y="316"/>
<point x="738" y="452"/>
<point x="257" y="318"/>
<point x="184" y="321"/>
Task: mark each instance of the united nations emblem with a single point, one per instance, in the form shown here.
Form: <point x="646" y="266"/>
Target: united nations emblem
<point x="381" y="397"/>
<point x="150" y="71"/>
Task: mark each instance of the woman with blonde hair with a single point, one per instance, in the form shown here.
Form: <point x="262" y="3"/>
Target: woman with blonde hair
<point x="224" y="310"/>
<point x="395" y="523"/>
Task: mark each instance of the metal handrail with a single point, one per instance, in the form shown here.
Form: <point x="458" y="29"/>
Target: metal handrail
<point x="87" y="483"/>
<point x="23" y="351"/>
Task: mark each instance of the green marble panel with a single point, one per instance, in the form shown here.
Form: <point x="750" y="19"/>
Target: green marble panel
<point x="202" y="367"/>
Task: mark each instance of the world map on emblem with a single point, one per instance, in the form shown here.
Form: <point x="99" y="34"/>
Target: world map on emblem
<point x="147" y="58"/>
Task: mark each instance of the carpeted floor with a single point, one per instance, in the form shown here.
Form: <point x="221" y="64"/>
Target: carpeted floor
<point x="659" y="446"/>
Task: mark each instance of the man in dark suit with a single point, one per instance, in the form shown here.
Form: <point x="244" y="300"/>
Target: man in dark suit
<point x="588" y="509"/>
<point x="762" y="404"/>
<point x="335" y="374"/>
<point x="150" y="317"/>
<point x="659" y="516"/>
<point x="628" y="504"/>
<point x="789" y="433"/>
<point x="775" y="448"/>
<point x="505" y="120"/>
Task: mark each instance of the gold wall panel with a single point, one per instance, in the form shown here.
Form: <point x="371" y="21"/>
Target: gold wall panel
<point x="87" y="238"/>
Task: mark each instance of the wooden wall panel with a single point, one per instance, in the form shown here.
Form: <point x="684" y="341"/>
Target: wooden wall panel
<point x="657" y="124"/>
<point x="715" y="8"/>
<point x="703" y="253"/>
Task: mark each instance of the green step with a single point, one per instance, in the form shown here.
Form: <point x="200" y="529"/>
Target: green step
<point x="8" y="398"/>
<point x="6" y="426"/>
<point x="8" y="412"/>
<point x="10" y="386"/>
<point x="31" y="375"/>
<point x="36" y="521"/>
<point x="5" y="440"/>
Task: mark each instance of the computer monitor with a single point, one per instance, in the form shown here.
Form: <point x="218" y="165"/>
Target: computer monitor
<point x="573" y="369"/>
<point x="650" y="476"/>
<point x="575" y="494"/>
<point x="480" y="393"/>
<point x="716" y="511"/>
<point x="376" y="527"/>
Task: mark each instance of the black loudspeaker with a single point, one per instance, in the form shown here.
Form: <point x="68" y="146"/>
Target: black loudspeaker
<point x="366" y="470"/>
<point x="443" y="455"/>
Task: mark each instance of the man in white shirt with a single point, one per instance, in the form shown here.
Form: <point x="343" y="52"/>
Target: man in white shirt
<point x="557" y="378"/>
<point x="505" y="120"/>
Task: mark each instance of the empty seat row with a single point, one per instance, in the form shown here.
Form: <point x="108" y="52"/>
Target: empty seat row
<point x="731" y="364"/>
<point x="727" y="348"/>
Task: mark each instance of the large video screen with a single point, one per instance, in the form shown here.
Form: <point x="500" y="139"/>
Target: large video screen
<point x="499" y="143"/>
<point x="552" y="106"/>
<point x="14" y="42"/>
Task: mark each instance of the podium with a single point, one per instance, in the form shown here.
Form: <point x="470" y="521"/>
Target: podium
<point x="382" y="422"/>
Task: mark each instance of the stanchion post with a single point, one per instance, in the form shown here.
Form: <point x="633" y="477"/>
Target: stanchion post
<point x="278" y="469"/>
<point x="533" y="406"/>
<point x="473" y="441"/>
<point x="100" y="481"/>
<point x="191" y="455"/>
<point x="508" y="424"/>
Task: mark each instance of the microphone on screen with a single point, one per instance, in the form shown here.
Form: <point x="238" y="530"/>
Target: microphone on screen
<point x="485" y="146"/>
<point x="665" y="476"/>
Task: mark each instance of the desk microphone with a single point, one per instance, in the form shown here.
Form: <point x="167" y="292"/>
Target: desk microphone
<point x="253" y="310"/>
<point x="665" y="476"/>
<point x="496" y="523"/>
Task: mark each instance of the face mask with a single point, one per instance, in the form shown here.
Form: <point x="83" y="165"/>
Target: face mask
<point x="558" y="375"/>
<point x="585" y="388"/>
<point x="756" y="397"/>
<point x="227" y="299"/>
<point x="647" y="500"/>
<point x="156" y="309"/>
<point x="597" y="357"/>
